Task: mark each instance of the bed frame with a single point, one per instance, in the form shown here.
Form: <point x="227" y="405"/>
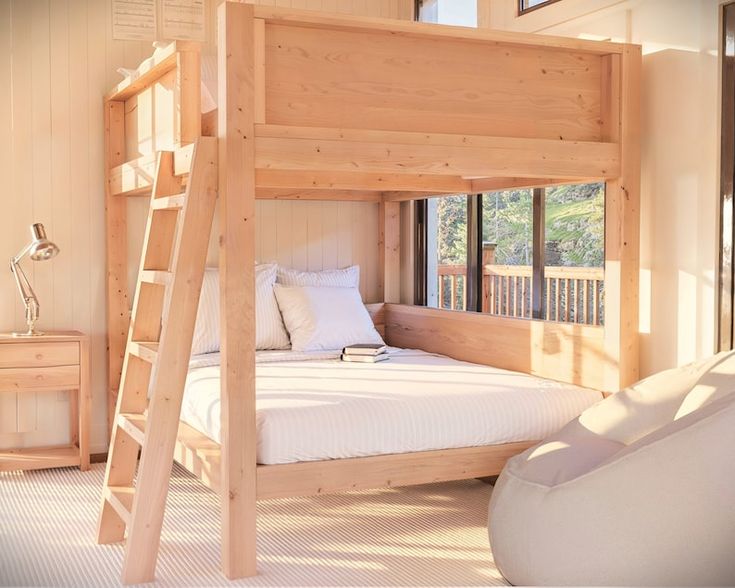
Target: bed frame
<point x="341" y="108"/>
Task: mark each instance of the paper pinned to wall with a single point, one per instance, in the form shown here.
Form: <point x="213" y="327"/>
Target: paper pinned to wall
<point x="134" y="20"/>
<point x="183" y="19"/>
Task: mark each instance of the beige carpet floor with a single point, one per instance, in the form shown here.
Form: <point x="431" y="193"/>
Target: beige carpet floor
<point x="432" y="535"/>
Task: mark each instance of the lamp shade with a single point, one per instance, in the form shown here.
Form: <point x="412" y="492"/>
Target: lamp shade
<point x="41" y="248"/>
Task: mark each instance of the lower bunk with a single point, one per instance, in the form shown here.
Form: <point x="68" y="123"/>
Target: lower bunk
<point x="327" y="426"/>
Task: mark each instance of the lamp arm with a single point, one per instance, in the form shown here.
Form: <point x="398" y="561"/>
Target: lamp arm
<point x="24" y="287"/>
<point x="16" y="260"/>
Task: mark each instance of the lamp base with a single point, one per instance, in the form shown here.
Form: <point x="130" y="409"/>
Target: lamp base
<point x="29" y="334"/>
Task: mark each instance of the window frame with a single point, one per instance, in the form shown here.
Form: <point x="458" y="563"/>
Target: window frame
<point x="475" y="239"/>
<point x="420" y="243"/>
<point x="538" y="253"/>
<point x="522" y="10"/>
<point x="726" y="249"/>
<point x="473" y="275"/>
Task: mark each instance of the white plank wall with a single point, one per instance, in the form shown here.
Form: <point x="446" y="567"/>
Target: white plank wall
<point x="57" y="59"/>
<point x="305" y="235"/>
<point x="321" y="235"/>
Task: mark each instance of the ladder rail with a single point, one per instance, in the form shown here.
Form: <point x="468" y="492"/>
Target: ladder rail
<point x="120" y="472"/>
<point x="172" y="364"/>
<point x="156" y="359"/>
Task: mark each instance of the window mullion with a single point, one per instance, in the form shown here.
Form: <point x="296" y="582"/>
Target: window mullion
<point x="420" y="252"/>
<point x="539" y="249"/>
<point x="473" y="282"/>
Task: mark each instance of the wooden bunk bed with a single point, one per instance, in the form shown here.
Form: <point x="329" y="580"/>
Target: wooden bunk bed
<point x="312" y="106"/>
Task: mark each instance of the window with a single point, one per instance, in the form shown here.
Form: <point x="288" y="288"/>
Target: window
<point x="507" y="251"/>
<point x="574" y="253"/>
<point x="527" y="253"/>
<point x="525" y="6"/>
<point x="447" y="252"/>
<point x="448" y="12"/>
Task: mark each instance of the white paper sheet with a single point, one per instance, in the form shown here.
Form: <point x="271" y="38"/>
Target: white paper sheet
<point x="183" y="19"/>
<point x="134" y="20"/>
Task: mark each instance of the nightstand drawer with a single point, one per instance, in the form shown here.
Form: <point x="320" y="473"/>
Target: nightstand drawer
<point x="33" y="354"/>
<point x="43" y="377"/>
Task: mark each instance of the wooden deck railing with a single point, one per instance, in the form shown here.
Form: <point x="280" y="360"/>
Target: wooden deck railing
<point x="572" y="294"/>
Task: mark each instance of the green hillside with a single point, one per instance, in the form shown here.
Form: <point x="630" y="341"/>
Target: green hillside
<point x="574" y="226"/>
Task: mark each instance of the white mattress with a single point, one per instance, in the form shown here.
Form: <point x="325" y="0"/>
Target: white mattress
<point x="315" y="407"/>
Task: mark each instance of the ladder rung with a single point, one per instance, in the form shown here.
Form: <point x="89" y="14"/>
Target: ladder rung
<point x="133" y="424"/>
<point x="146" y="350"/>
<point x="156" y="277"/>
<point x="168" y="202"/>
<point x="121" y="499"/>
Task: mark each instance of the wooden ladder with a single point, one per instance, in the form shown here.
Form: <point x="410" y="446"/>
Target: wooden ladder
<point x="157" y="356"/>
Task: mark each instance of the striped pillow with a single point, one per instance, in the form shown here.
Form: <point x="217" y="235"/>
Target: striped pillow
<point x="269" y="330"/>
<point x="348" y="277"/>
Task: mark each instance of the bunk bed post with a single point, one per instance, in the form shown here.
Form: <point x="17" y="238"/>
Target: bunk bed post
<point x="236" y="64"/>
<point x="389" y="242"/>
<point x="118" y="314"/>
<point x="188" y="94"/>
<point x="621" y="92"/>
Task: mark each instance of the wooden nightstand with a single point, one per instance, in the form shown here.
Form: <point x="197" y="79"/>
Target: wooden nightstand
<point x="52" y="362"/>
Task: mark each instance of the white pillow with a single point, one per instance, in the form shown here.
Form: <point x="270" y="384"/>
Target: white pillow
<point x="325" y="318"/>
<point x="348" y="277"/>
<point x="269" y="330"/>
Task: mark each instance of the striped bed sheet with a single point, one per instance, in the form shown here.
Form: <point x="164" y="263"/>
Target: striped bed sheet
<point x="312" y="406"/>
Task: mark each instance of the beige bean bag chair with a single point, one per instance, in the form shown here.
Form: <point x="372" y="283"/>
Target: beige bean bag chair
<point x="639" y="490"/>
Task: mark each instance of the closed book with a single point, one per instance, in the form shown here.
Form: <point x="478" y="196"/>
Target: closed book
<point x="364" y="349"/>
<point x="365" y="358"/>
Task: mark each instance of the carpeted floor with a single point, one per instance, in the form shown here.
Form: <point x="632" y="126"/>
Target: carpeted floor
<point x="433" y="535"/>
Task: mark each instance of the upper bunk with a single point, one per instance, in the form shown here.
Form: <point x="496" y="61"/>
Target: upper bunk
<point x="356" y="108"/>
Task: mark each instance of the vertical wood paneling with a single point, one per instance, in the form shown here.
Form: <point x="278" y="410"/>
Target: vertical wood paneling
<point x="40" y="182"/>
<point x="61" y="220"/>
<point x="284" y="242"/>
<point x="56" y="61"/>
<point x="7" y="221"/>
<point x="314" y="236"/>
<point x="265" y="233"/>
<point x="330" y="244"/>
<point x="299" y="231"/>
<point x="344" y="233"/>
<point x="22" y="173"/>
<point x="96" y="87"/>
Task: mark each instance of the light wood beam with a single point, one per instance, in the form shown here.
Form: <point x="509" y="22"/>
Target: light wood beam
<point x="319" y="194"/>
<point x="306" y="18"/>
<point x="430" y="184"/>
<point x="201" y="456"/>
<point x="559" y="351"/>
<point x="236" y="65"/>
<point x="622" y="219"/>
<point x="498" y="184"/>
<point x="162" y="62"/>
<point x="390" y="251"/>
<point x="398" y="152"/>
<point x="118" y="313"/>
<point x="188" y="97"/>
<point x="135" y="177"/>
<point x="384" y="471"/>
<point x="487" y="185"/>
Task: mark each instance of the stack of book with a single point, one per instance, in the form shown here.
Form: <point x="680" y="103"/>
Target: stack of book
<point x="365" y="353"/>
